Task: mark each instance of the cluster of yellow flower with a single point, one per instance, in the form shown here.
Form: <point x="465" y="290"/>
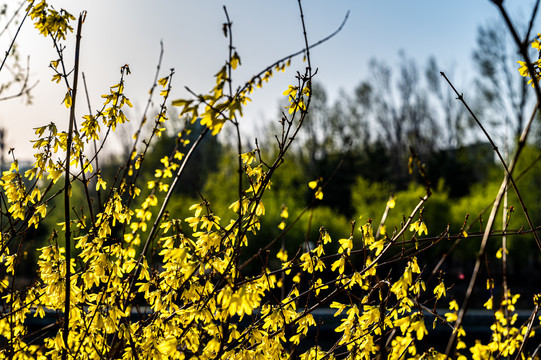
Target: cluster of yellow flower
<point x="192" y="297"/>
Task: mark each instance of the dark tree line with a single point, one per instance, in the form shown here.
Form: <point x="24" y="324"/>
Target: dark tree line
<point x="403" y="106"/>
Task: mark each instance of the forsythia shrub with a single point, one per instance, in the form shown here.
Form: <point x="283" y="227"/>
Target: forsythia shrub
<point x="142" y="284"/>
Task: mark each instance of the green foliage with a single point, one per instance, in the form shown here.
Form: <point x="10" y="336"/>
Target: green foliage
<point x="370" y="199"/>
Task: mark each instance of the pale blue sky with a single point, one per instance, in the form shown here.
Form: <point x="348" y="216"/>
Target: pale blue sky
<point x="129" y="31"/>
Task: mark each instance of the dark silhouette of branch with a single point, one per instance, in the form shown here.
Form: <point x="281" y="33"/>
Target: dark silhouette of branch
<point x="67" y="189"/>
<point x="15" y="37"/>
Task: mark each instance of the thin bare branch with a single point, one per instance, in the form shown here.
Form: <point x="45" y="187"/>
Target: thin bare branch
<point x="67" y="185"/>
